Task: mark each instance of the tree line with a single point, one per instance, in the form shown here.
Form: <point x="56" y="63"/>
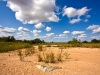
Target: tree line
<point x="12" y="39"/>
<point x="74" y="40"/>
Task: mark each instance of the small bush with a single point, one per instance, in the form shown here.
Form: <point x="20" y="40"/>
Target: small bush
<point x="29" y="51"/>
<point x="40" y="48"/>
<point x="11" y="46"/>
<point x="20" y="54"/>
<point x="59" y="57"/>
<point x="66" y="55"/>
<point x="52" y="58"/>
<point x="39" y="58"/>
<point x="49" y="58"/>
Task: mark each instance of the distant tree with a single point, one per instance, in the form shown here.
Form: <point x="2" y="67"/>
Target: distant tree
<point x="7" y="39"/>
<point x="85" y="41"/>
<point x="10" y="39"/>
<point x="74" y="40"/>
<point x="95" y="41"/>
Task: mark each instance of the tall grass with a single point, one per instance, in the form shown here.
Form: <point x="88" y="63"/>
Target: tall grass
<point x="40" y="48"/>
<point x="10" y="46"/>
<point x="86" y="45"/>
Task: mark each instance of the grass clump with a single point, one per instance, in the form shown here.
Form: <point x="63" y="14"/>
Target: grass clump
<point x="29" y="51"/>
<point x="49" y="58"/>
<point x="11" y="46"/>
<point x="59" y="56"/>
<point x="20" y="54"/>
<point x="40" y="48"/>
<point x="67" y="54"/>
<point x="40" y="59"/>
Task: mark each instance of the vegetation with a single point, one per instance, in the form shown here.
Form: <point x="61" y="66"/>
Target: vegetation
<point x="10" y="43"/>
<point x="10" y="46"/>
<point x="20" y="54"/>
<point x="40" y="48"/>
<point x="29" y="51"/>
<point x="39" y="58"/>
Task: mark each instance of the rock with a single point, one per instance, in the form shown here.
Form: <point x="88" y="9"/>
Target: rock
<point x="46" y="68"/>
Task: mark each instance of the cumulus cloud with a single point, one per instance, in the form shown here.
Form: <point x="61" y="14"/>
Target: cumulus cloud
<point x="23" y="29"/>
<point x="33" y="11"/>
<point x="86" y="20"/>
<point x="66" y="32"/>
<point x="82" y="36"/>
<point x="60" y="37"/>
<point x="94" y="28"/>
<point x="48" y="29"/>
<point x="97" y="30"/>
<point x="22" y="36"/>
<point x="36" y="32"/>
<point x="74" y="21"/>
<point x="77" y="32"/>
<point x="63" y="35"/>
<point x="88" y="16"/>
<point x="91" y="27"/>
<point x="50" y="34"/>
<point x="4" y="32"/>
<point x="96" y="37"/>
<point x="71" y="12"/>
<point x="39" y="26"/>
<point x="8" y="30"/>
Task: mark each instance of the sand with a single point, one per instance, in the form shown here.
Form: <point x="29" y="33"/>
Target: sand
<point x="82" y="61"/>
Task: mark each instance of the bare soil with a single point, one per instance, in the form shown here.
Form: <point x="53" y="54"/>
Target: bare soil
<point x="82" y="61"/>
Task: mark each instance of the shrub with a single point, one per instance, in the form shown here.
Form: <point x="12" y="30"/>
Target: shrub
<point x="49" y="58"/>
<point x="59" y="57"/>
<point x="29" y="51"/>
<point x="11" y="46"/>
<point x="39" y="58"/>
<point x="40" y="48"/>
<point x="20" y="54"/>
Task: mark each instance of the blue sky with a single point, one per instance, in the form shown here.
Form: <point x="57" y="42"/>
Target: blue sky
<point x="50" y="20"/>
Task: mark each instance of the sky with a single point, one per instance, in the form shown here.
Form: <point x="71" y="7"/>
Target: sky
<point x="50" y="20"/>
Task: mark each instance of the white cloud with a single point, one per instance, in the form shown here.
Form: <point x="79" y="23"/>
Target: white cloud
<point x="50" y="34"/>
<point x="94" y="28"/>
<point x="23" y="29"/>
<point x="77" y="32"/>
<point x="97" y="30"/>
<point x="82" y="36"/>
<point x="86" y="20"/>
<point x="96" y="37"/>
<point x="91" y="27"/>
<point x="34" y="11"/>
<point x="88" y="16"/>
<point x="8" y="30"/>
<point x="5" y="32"/>
<point x="36" y="32"/>
<point x="23" y="36"/>
<point x="48" y="29"/>
<point x="66" y="32"/>
<point x="74" y="21"/>
<point x="60" y="37"/>
<point x="39" y="26"/>
<point x="71" y="12"/>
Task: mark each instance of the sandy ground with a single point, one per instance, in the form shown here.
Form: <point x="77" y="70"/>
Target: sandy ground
<point x="82" y="61"/>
